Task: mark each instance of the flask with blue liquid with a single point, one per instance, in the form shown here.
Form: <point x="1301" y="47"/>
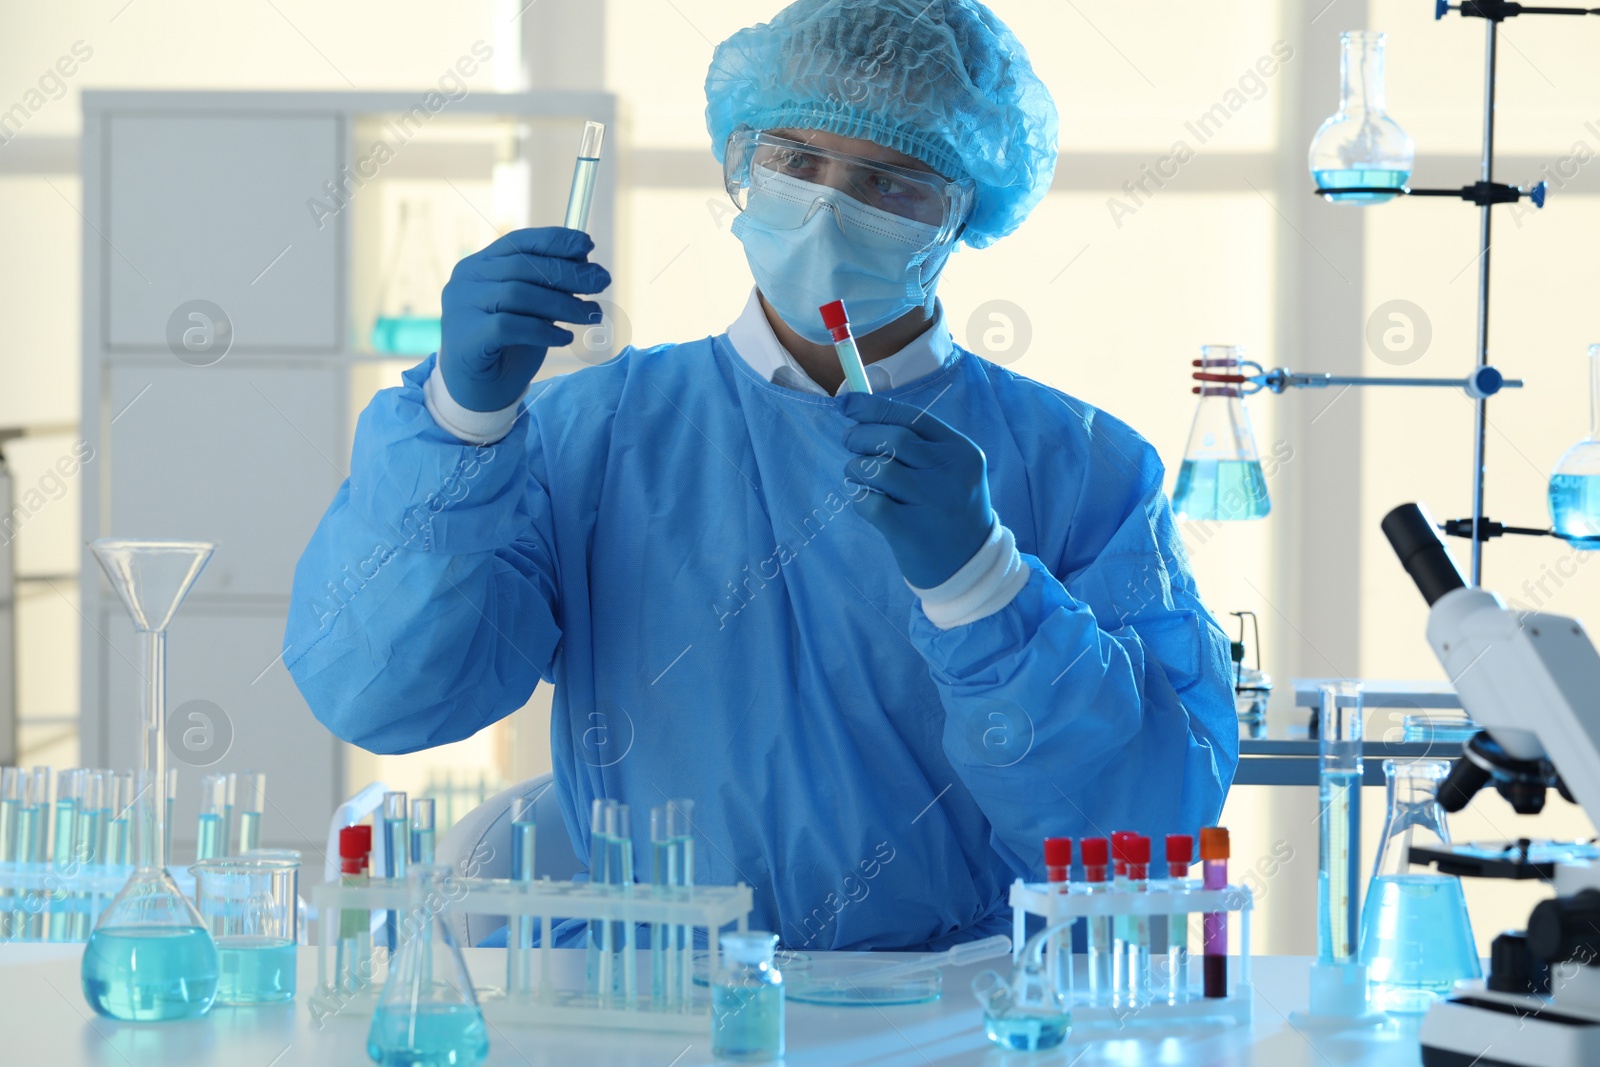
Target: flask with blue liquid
<point x="1360" y="146"/>
<point x="1575" y="483"/>
<point x="1221" y="476"/>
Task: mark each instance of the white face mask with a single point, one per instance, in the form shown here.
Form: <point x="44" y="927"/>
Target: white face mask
<point x="809" y="245"/>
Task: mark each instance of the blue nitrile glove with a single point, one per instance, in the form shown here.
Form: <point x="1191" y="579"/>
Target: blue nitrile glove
<point x="930" y="490"/>
<point x="501" y="306"/>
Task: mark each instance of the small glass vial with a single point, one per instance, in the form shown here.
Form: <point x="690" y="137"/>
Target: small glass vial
<point x="747" y="1000"/>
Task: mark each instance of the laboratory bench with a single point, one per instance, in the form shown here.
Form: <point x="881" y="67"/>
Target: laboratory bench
<point x="44" y="1019"/>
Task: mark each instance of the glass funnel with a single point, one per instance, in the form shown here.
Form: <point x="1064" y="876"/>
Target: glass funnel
<point x="1416" y="939"/>
<point x="428" y="1014"/>
<point x="150" y="957"/>
<point x="409" y="319"/>
<point x="1575" y="483"/>
<point x="1221" y="475"/>
<point x="1360" y="146"/>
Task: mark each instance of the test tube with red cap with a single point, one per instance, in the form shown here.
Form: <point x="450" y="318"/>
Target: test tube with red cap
<point x="1058" y="872"/>
<point x="1136" y="936"/>
<point x="1121" y="924"/>
<point x="1214" y="851"/>
<point x="837" y="320"/>
<point x="1096" y="853"/>
<point x="353" y="964"/>
<point x="1180" y="853"/>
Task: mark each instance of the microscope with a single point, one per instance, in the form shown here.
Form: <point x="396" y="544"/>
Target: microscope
<point x="1531" y="682"/>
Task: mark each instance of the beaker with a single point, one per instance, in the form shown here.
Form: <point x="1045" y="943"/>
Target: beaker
<point x="1416" y="939"/>
<point x="1360" y="146"/>
<point x="1221" y="476"/>
<point x="428" y="1014"/>
<point x="1025" y="1013"/>
<point x="250" y="907"/>
<point x="1575" y="483"/>
<point x="409" y="319"/>
<point x="150" y="957"/>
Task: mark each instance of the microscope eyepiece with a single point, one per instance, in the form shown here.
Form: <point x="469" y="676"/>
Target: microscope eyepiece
<point x="1414" y="540"/>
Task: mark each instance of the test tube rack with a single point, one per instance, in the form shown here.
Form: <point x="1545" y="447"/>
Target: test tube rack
<point x="31" y="893"/>
<point x="1049" y="902"/>
<point x="707" y="908"/>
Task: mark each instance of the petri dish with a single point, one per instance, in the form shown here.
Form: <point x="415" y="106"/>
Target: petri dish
<point x="833" y="981"/>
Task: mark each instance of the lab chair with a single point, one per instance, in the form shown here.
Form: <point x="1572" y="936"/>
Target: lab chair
<point x="490" y="824"/>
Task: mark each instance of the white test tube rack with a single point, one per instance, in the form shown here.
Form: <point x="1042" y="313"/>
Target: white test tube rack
<point x="708" y="908"/>
<point x="28" y="890"/>
<point x="1046" y="899"/>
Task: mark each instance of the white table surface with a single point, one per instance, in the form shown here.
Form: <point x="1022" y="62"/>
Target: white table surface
<point x="45" y="1020"/>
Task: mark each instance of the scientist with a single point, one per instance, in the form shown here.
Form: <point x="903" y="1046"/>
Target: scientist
<point x="885" y="642"/>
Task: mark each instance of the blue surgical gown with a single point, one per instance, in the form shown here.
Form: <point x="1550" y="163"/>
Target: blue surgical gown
<point x="669" y="539"/>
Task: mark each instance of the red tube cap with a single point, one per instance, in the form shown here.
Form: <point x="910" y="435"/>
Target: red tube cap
<point x="1095" y="851"/>
<point x="1214" y="843"/>
<point x="355" y="841"/>
<point x="1120" y="840"/>
<point x="834" y="316"/>
<point x="1058" y="852"/>
<point x="1139" y="851"/>
<point x="1180" y="849"/>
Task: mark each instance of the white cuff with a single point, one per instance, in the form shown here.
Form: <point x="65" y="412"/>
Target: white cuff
<point x="987" y="582"/>
<point x="473" y="427"/>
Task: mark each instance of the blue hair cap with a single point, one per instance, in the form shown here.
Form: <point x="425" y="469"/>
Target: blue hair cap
<point x="943" y="81"/>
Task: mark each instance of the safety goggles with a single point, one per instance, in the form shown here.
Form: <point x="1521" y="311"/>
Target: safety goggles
<point x="758" y="162"/>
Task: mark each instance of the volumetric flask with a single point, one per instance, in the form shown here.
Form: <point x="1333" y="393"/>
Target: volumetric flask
<point x="1416" y="939"/>
<point x="250" y="905"/>
<point x="1575" y="483"/>
<point x="1360" y="146"/>
<point x="1221" y="476"/>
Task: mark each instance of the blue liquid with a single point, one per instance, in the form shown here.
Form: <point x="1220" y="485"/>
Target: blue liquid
<point x="422" y="848"/>
<point x="249" y="832"/>
<point x="1226" y="489"/>
<point x="1360" y="179"/>
<point x="431" y="1035"/>
<point x="1575" y="508"/>
<point x="747" y="1022"/>
<point x="407" y="335"/>
<point x="1416" y="940"/>
<point x="255" y="970"/>
<point x="1027" y="1033"/>
<point x="1333" y="867"/>
<point x="208" y="837"/>
<point x="150" y="973"/>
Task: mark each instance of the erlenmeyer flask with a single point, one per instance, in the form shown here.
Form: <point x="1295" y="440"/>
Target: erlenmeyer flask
<point x="1360" y="146"/>
<point x="1416" y="939"/>
<point x="409" y="313"/>
<point x="150" y="957"/>
<point x="1221" y="474"/>
<point x="428" y="1015"/>
<point x="1575" y="483"/>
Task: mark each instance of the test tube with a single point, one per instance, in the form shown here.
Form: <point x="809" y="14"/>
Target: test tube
<point x="10" y="806"/>
<point x="519" y="936"/>
<point x="353" y="964"/>
<point x="663" y="936"/>
<point x="1058" y="872"/>
<point x="36" y="820"/>
<point x="1121" y="925"/>
<point x="1096" y="853"/>
<point x="229" y="799"/>
<point x="837" y="320"/>
<point x="116" y="844"/>
<point x="213" y="803"/>
<point x="598" y="960"/>
<point x="583" y="176"/>
<point x="422" y="850"/>
<point x="69" y="789"/>
<point x="1339" y="773"/>
<point x="1180" y="853"/>
<point x="1138" y="941"/>
<point x="396" y="854"/>
<point x="86" y="847"/>
<point x="1214" y="855"/>
<point x="250" y="801"/>
<point x="619" y="836"/>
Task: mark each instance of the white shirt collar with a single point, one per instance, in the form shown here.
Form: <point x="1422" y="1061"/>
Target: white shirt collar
<point x="752" y="337"/>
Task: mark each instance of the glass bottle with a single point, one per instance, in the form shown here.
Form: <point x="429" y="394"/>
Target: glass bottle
<point x="1416" y="939"/>
<point x="428" y="1014"/>
<point x="1221" y="476"/>
<point x="1360" y="146"/>
<point x="1575" y="483"/>
<point x="150" y="957"/>
<point x="747" y="1000"/>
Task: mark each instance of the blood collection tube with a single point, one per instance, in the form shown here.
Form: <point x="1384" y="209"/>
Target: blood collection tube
<point x="1180" y="852"/>
<point x="1138" y="930"/>
<point x="1058" y="872"/>
<point x="835" y="318"/>
<point x="1096" y="853"/>
<point x="353" y="964"/>
<point x="1214" y="855"/>
<point x="1121" y="925"/>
